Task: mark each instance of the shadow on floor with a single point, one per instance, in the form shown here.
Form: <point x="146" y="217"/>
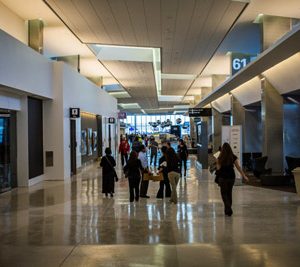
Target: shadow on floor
<point x="256" y="182"/>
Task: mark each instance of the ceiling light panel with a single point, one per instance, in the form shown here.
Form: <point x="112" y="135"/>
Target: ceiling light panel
<point x="130" y="105"/>
<point x="120" y="94"/>
<point x="170" y="76"/>
<point x="123" y="53"/>
<point x="181" y="106"/>
<point x="113" y="88"/>
<point x="189" y="98"/>
<point x="170" y="98"/>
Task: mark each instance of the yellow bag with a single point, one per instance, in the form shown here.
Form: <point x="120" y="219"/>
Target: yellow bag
<point x="158" y="177"/>
<point x="147" y="176"/>
<point x="153" y="177"/>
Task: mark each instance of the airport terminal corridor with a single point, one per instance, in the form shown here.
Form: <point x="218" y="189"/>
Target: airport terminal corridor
<point x="73" y="224"/>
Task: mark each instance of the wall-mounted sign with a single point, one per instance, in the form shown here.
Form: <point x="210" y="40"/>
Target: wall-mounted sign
<point x="122" y="124"/>
<point x="200" y="112"/>
<point x="122" y="115"/>
<point x="111" y="120"/>
<point x="74" y="112"/>
<point x="239" y="61"/>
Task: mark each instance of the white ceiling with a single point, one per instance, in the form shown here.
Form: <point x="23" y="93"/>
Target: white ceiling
<point x="188" y="32"/>
<point x="192" y="36"/>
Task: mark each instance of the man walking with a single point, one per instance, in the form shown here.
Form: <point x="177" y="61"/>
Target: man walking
<point x="144" y="160"/>
<point x="153" y="150"/>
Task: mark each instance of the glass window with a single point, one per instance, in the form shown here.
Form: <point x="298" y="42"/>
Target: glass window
<point x="139" y="124"/>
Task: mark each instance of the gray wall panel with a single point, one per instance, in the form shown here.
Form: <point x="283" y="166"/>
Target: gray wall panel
<point x="291" y="130"/>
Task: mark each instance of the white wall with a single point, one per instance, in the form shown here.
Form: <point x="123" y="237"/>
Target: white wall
<point x="53" y="127"/>
<point x="70" y="89"/>
<point x="24" y="69"/>
<point x="9" y="101"/>
<point x="79" y="92"/>
<point x="13" y="24"/>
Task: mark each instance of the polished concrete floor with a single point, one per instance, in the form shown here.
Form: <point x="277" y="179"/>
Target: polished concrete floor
<point x="73" y="224"/>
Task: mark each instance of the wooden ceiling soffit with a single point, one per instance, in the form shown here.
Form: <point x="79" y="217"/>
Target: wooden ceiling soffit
<point x="175" y="87"/>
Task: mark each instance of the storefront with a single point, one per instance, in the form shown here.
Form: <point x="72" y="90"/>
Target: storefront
<point x="8" y="177"/>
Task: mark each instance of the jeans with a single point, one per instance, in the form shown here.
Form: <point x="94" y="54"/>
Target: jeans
<point x="226" y="186"/>
<point x="173" y="178"/>
<point x="184" y="160"/>
<point x="154" y="155"/>
<point x="124" y="158"/>
<point x="162" y="185"/>
<point x="134" y="188"/>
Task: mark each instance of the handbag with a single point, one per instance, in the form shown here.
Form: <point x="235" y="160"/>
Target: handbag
<point x="114" y="171"/>
<point x="217" y="176"/>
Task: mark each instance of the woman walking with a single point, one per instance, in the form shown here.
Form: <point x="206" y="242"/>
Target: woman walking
<point x="173" y="172"/>
<point x="124" y="149"/>
<point x="133" y="171"/>
<point x="108" y="173"/>
<point x="226" y="175"/>
<point x="183" y="155"/>
<point x="164" y="184"/>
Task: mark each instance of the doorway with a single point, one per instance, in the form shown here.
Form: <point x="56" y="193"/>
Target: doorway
<point x="109" y="136"/>
<point x="73" y="146"/>
<point x="5" y="154"/>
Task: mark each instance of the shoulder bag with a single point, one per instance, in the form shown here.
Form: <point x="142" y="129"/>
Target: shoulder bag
<point x="114" y="171"/>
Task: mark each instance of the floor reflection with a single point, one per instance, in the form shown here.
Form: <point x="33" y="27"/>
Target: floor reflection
<point x="58" y="214"/>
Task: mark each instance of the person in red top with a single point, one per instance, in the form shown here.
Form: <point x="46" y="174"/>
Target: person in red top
<point x="124" y="149"/>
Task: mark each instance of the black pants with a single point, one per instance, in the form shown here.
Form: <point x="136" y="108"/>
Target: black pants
<point x="144" y="187"/>
<point x="124" y="158"/>
<point x="162" y="185"/>
<point x="134" y="188"/>
<point x="226" y="186"/>
<point x="154" y="155"/>
<point x="184" y="160"/>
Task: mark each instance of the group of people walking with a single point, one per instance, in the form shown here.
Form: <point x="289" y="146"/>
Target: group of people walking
<point x="170" y="165"/>
<point x="137" y="167"/>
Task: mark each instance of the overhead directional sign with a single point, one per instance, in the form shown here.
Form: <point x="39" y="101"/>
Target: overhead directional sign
<point x="200" y="112"/>
<point x="239" y="61"/>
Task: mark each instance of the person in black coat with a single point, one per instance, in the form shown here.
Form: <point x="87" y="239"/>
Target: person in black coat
<point x="133" y="170"/>
<point x="183" y="155"/>
<point x="108" y="173"/>
<point x="136" y="145"/>
<point x="173" y="172"/>
<point x="165" y="182"/>
<point x="226" y="162"/>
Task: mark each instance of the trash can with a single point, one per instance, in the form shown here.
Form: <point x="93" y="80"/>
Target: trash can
<point x="296" y="173"/>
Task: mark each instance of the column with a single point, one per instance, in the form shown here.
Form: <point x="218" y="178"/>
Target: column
<point x="238" y="117"/>
<point x="273" y="28"/>
<point x="217" y="130"/>
<point x="35" y="35"/>
<point x="73" y="61"/>
<point x="272" y="126"/>
<point x="217" y="121"/>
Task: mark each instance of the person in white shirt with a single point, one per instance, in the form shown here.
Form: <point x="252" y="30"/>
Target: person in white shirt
<point x="144" y="160"/>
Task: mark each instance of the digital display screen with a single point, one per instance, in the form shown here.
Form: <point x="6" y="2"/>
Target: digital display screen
<point x="1" y="130"/>
<point x="199" y="133"/>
